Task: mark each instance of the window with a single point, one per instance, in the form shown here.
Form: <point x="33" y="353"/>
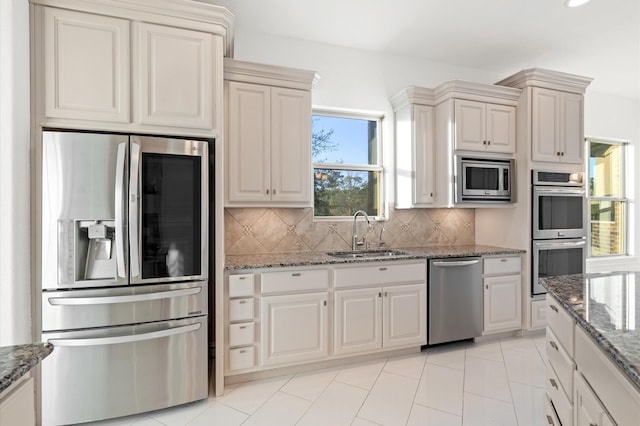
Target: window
<point x="347" y="170"/>
<point x="607" y="200"/>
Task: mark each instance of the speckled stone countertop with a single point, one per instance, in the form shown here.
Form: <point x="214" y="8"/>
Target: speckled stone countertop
<point x="16" y="361"/>
<point x="254" y="261"/>
<point x="606" y="306"/>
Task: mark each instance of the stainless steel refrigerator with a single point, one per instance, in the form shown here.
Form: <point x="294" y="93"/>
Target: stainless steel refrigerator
<point x="124" y="258"/>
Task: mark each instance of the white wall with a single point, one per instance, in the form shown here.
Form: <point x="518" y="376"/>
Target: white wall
<point x="15" y="287"/>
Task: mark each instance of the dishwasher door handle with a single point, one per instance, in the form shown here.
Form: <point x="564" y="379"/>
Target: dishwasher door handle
<point x="456" y="263"/>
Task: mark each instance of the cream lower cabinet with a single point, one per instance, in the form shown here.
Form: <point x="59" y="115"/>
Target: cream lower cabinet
<point x="294" y="328"/>
<point x="392" y="314"/>
<point x="379" y="318"/>
<point x="502" y="294"/>
<point x="588" y="408"/>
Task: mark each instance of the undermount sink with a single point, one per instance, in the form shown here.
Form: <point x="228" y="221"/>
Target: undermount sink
<point x="366" y="254"/>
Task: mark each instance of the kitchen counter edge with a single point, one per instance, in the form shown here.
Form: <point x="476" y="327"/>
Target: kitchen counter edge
<point x="18" y="360"/>
<point x="275" y="260"/>
<point x="568" y="291"/>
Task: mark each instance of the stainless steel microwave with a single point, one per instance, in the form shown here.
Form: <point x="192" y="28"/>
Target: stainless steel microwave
<point x="484" y="180"/>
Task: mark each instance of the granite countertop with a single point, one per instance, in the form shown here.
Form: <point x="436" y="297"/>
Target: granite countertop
<point x="252" y="261"/>
<point x="16" y="361"/>
<point x="606" y="306"/>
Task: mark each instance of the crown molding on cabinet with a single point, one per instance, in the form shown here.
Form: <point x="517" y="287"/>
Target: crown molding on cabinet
<point x="196" y="15"/>
<point x="547" y="79"/>
<point x="412" y="95"/>
<point x="270" y="75"/>
<point x="461" y="89"/>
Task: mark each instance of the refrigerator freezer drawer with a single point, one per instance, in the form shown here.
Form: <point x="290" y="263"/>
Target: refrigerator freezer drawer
<point x="105" y="307"/>
<point x="117" y="371"/>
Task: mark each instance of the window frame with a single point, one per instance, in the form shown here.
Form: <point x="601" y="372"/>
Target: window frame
<point x="379" y="167"/>
<point x="624" y="199"/>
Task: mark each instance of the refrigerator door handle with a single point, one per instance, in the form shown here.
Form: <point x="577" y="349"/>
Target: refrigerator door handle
<point x="104" y="300"/>
<point x="134" y="197"/>
<point x="95" y="341"/>
<point x="119" y="191"/>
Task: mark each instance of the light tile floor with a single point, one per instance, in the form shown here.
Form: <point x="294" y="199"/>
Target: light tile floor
<point x="499" y="382"/>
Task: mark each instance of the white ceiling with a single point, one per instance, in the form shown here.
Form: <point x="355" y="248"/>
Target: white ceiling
<point x="600" y="39"/>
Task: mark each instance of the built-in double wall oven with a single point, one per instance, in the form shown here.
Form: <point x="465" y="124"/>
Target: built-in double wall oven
<point x="558" y="225"/>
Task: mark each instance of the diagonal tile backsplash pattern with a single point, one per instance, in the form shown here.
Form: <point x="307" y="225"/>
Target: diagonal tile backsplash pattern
<point x="278" y="230"/>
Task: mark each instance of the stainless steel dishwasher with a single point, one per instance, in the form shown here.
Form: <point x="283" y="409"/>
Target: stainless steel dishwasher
<point x="455" y="299"/>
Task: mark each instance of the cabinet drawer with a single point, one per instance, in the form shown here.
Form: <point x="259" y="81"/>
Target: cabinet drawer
<point x="241" y="334"/>
<point x="380" y="274"/>
<point x="501" y="265"/>
<point x="298" y="281"/>
<point x="561" y="362"/>
<point x="241" y="309"/>
<point x="241" y="285"/>
<point x="550" y="416"/>
<point x="242" y="358"/>
<point x="561" y="403"/>
<point x="560" y="323"/>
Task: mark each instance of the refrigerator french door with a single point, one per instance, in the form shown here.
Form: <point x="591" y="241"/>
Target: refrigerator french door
<point x="124" y="274"/>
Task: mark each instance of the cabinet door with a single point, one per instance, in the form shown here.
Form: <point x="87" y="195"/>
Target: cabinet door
<point x="291" y="146"/>
<point x="294" y="328"/>
<point x="358" y="320"/>
<point x="502" y="304"/>
<point x="545" y="131"/>
<point x="588" y="410"/>
<point x="404" y="314"/>
<point x="176" y="76"/>
<point x="248" y="134"/>
<point x="573" y="145"/>
<point x="424" y="153"/>
<point x="501" y="128"/>
<point x="86" y="66"/>
<point x="470" y="119"/>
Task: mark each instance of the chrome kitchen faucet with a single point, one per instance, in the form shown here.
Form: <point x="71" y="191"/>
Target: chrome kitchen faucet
<point x="354" y="236"/>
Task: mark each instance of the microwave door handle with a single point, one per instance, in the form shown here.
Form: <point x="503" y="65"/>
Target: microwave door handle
<point x="119" y="194"/>
<point x="134" y="198"/>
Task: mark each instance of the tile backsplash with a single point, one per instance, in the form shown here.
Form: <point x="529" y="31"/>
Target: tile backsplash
<point x="271" y="230"/>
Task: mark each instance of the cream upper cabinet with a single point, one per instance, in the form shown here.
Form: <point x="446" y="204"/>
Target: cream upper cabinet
<point x="123" y="67"/>
<point x="557" y="126"/>
<point x="483" y="126"/>
<point x="268" y="136"/>
<point x="86" y="66"/>
<point x="175" y="78"/>
<point x="415" y="151"/>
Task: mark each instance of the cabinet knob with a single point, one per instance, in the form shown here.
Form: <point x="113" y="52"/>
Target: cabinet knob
<point x="274" y="192"/>
<point x="484" y="142"/>
<point x="550" y="420"/>
<point x="296" y="274"/>
<point x="488" y="142"/>
<point x="553" y="383"/>
<point x="380" y="294"/>
<point x="558" y="153"/>
<point x="553" y="345"/>
<point x="562" y="154"/>
<point x="382" y="269"/>
<point x="268" y="190"/>
<point x="553" y="308"/>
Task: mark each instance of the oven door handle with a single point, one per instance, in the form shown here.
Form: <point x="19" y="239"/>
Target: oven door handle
<point x="563" y="244"/>
<point x="95" y="341"/>
<point x="563" y="191"/>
